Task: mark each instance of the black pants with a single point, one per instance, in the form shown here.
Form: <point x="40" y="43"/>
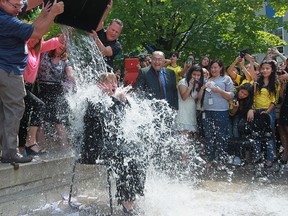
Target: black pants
<point x="131" y="177"/>
<point x="33" y="115"/>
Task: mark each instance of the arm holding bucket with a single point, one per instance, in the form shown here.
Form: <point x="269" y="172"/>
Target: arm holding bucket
<point x="43" y="23"/>
<point x="101" y="23"/>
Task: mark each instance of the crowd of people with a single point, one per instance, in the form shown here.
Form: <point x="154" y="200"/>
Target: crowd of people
<point x="211" y="101"/>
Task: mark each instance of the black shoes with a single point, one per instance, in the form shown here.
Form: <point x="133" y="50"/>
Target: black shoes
<point x="17" y="158"/>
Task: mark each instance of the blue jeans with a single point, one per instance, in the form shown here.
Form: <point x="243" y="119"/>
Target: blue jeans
<point x="270" y="150"/>
<point x="215" y="125"/>
<point x="233" y="126"/>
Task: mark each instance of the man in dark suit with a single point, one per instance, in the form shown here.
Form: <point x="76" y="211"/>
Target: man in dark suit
<point x="158" y="82"/>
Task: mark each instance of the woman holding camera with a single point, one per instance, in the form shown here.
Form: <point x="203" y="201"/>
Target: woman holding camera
<point x="188" y="89"/>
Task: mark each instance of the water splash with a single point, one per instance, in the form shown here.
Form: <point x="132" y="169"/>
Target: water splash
<point x="84" y="55"/>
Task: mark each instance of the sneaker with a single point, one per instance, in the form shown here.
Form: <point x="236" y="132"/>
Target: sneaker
<point x="17" y="158"/>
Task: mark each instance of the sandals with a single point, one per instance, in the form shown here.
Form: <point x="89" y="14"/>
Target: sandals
<point x="29" y="151"/>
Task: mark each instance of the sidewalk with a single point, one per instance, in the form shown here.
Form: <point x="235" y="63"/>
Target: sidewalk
<point x="45" y="180"/>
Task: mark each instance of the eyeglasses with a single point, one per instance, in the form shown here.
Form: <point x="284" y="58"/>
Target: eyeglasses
<point x="17" y="7"/>
<point x="157" y="59"/>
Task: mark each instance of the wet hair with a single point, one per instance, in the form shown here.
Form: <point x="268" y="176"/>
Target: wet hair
<point x="246" y="103"/>
<point x="106" y="76"/>
<point x="220" y="63"/>
<point x="118" y="21"/>
<point x="189" y="76"/>
<point x="272" y="78"/>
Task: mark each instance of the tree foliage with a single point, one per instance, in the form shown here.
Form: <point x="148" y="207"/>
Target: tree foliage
<point x="219" y="28"/>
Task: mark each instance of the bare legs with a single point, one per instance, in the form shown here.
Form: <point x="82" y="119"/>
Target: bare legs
<point x="62" y="135"/>
<point x="31" y="139"/>
<point x="36" y="135"/>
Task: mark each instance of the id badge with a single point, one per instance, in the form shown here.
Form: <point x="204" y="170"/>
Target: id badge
<point x="210" y="101"/>
<point x="203" y="115"/>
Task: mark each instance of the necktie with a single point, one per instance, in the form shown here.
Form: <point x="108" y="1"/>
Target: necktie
<point x="161" y="85"/>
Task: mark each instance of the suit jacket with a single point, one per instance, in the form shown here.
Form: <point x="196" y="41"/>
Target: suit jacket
<point x="100" y="139"/>
<point x="147" y="82"/>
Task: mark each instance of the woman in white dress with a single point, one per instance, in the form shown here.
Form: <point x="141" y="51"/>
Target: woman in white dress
<point x="188" y="89"/>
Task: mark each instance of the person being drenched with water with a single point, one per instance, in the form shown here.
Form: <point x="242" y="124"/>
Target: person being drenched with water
<point x="104" y="140"/>
<point x="107" y="40"/>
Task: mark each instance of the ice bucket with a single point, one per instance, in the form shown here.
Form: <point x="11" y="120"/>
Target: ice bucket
<point x="82" y="14"/>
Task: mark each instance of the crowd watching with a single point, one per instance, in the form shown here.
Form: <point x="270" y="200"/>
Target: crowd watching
<point x="213" y="100"/>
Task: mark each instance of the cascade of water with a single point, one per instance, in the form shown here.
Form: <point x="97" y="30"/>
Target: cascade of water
<point x="147" y="124"/>
<point x="84" y="54"/>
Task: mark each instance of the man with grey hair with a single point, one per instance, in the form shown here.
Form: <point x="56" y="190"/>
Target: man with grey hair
<point x="158" y="82"/>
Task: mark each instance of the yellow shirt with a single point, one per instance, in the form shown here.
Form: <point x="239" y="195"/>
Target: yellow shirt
<point x="263" y="99"/>
<point x="238" y="80"/>
<point x="177" y="71"/>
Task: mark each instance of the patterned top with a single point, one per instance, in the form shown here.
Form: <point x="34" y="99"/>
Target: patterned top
<point x="51" y="72"/>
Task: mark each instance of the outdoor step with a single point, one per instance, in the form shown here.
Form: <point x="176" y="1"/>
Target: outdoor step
<point x="42" y="182"/>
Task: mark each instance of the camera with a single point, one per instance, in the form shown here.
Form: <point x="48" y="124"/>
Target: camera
<point x="234" y="100"/>
<point x="260" y="75"/>
<point x="243" y="53"/>
<point x="280" y="72"/>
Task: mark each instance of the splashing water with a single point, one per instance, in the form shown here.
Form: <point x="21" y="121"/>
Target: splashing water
<point x="174" y="183"/>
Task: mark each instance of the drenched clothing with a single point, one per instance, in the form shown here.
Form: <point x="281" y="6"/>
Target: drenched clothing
<point x="103" y="140"/>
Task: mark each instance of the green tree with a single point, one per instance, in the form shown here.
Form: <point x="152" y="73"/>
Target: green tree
<point x="219" y="28"/>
